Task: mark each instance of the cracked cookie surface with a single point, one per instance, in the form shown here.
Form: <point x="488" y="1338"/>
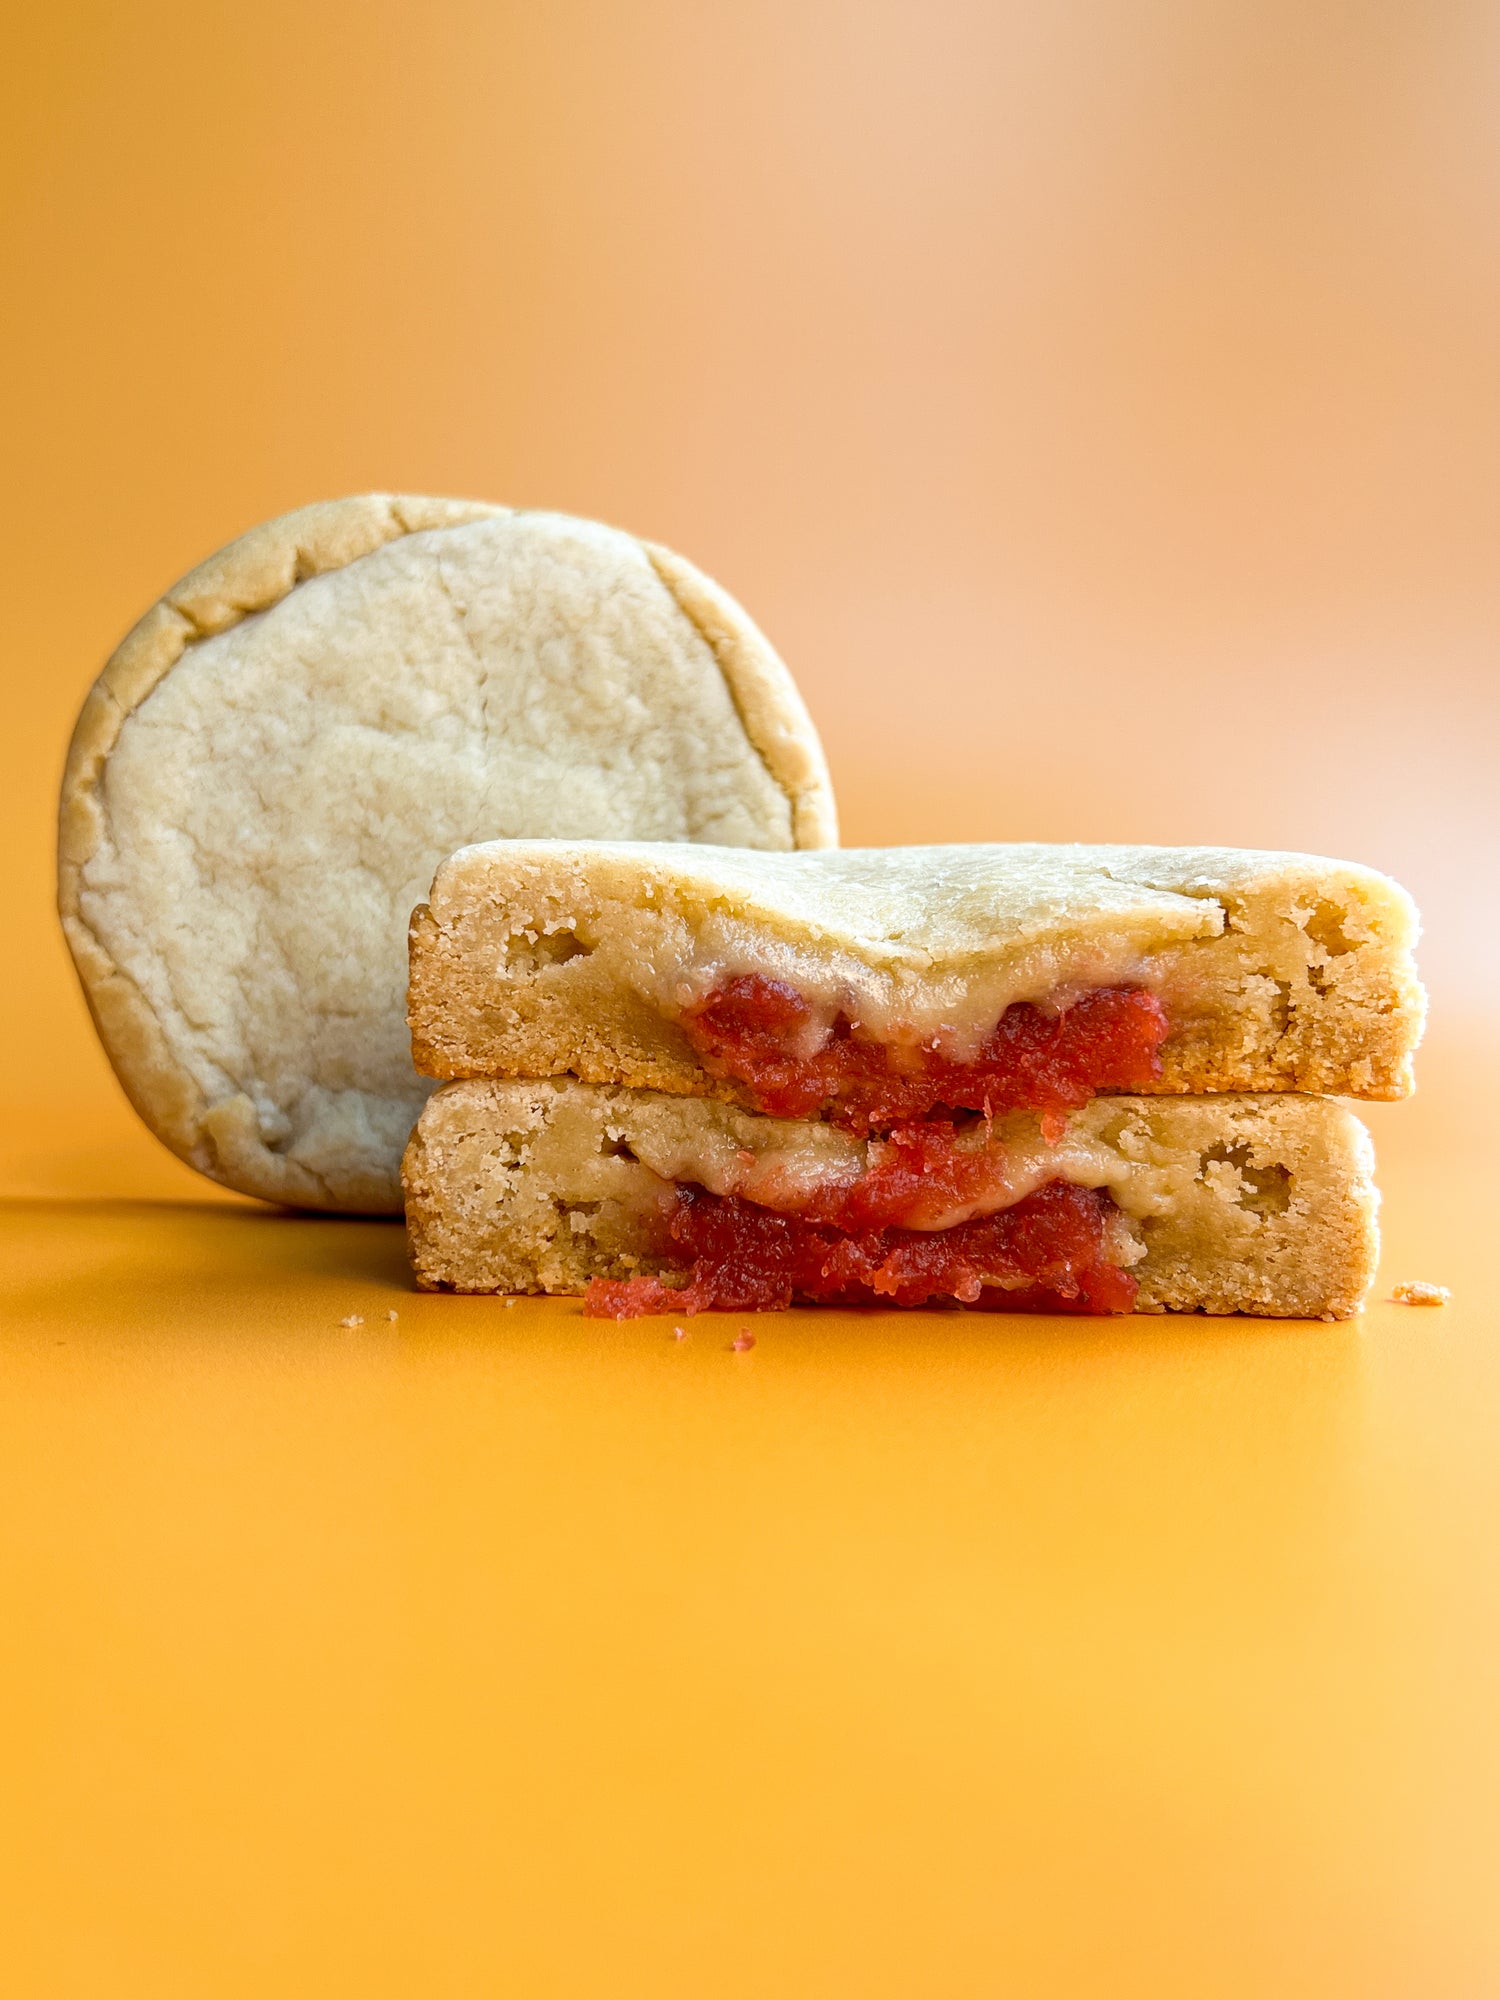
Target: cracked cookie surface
<point x="277" y="757"/>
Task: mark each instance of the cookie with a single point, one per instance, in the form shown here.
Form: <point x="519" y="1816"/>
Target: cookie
<point x="276" y="758"/>
<point x="647" y="1202"/>
<point x="880" y="984"/>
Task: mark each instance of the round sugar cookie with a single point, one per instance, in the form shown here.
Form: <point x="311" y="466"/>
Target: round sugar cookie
<point x="274" y="761"/>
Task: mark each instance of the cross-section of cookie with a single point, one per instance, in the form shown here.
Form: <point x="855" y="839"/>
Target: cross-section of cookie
<point x="642" y="1202"/>
<point x="275" y="760"/>
<point x="879" y="985"/>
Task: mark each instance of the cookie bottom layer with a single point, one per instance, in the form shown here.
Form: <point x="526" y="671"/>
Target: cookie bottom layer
<point x="1258" y="1204"/>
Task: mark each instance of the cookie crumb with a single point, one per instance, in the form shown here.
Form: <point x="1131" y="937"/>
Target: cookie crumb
<point x="1417" y="1294"/>
<point x="353" y="1319"/>
<point x="393" y="1314"/>
<point x="679" y="1333"/>
<point x="743" y="1341"/>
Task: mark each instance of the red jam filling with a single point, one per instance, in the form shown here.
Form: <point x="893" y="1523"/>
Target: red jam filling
<point x="918" y="1178"/>
<point x="1048" y="1253"/>
<point x="888" y="1239"/>
<point x="750" y="1029"/>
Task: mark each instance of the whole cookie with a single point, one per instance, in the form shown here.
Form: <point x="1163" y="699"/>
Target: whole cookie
<point x="274" y="761"/>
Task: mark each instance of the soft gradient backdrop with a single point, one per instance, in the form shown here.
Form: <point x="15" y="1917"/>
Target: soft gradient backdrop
<point x="1098" y="402"/>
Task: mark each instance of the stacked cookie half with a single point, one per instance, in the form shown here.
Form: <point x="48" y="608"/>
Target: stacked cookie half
<point x="1090" y="1079"/>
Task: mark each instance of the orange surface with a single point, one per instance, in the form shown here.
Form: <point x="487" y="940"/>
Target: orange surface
<point x="1097" y="405"/>
<point x="493" y="1650"/>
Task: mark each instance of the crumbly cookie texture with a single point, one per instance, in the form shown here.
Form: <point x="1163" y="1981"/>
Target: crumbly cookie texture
<point x="274" y="761"/>
<point x="1279" y="971"/>
<point x="1416" y="1292"/>
<point x="1235" y="1204"/>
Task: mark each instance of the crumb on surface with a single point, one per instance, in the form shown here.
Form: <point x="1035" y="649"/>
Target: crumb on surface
<point x="393" y="1314"/>
<point x="352" y="1319"/>
<point x="743" y="1341"/>
<point x="1416" y="1293"/>
<point x="679" y="1333"/>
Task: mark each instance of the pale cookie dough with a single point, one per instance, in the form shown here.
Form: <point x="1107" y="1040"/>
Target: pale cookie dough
<point x="274" y="761"/>
<point x="1232" y="1204"/>
<point x="1277" y="971"/>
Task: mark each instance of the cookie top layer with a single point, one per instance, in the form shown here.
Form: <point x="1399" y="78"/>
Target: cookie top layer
<point x="276" y="758"/>
<point x="923" y="908"/>
<point x="1277" y="971"/>
<point x="916" y="914"/>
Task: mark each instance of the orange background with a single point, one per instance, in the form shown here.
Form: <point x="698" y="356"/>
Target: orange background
<point x="1098" y="405"/>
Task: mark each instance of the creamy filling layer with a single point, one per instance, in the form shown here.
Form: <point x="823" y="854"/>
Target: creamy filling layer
<point x="935" y="1209"/>
<point x="769" y="1037"/>
<point x="930" y="1174"/>
<point x="894" y="992"/>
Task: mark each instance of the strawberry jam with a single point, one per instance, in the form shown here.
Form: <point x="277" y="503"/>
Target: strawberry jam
<point x="919" y="1177"/>
<point x="1047" y="1253"/>
<point x="754" y="1030"/>
<point x="913" y="1227"/>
